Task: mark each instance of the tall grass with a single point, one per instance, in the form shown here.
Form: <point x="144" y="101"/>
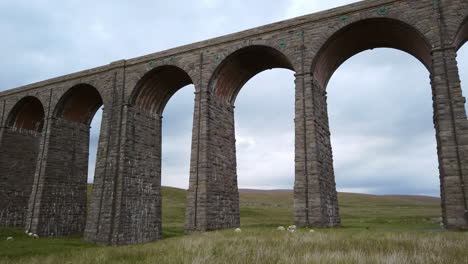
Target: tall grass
<point x="266" y="245"/>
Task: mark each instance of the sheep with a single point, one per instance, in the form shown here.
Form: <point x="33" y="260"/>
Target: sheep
<point x="9" y="238"/>
<point x="280" y="228"/>
<point x="291" y="228"/>
<point x="26" y="232"/>
<point x="237" y="230"/>
<point x="35" y="236"/>
<point x="311" y="231"/>
<point x="30" y="234"/>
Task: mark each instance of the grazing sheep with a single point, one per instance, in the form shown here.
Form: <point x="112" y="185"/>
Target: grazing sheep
<point x="9" y="238"/>
<point x="30" y="234"/>
<point x="291" y="228"/>
<point x="35" y="236"/>
<point x="311" y="231"/>
<point x="26" y="232"/>
<point x="280" y="228"/>
<point x="237" y="230"/>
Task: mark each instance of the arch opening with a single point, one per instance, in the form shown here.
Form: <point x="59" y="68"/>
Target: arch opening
<point x="160" y="143"/>
<point x="241" y="66"/>
<point x="369" y="34"/>
<point x="264" y="132"/>
<point x="462" y="60"/>
<point x="156" y="87"/>
<point x="28" y="114"/>
<point x="228" y="79"/>
<point x="395" y="155"/>
<point x="79" y="104"/>
<point x="175" y="159"/>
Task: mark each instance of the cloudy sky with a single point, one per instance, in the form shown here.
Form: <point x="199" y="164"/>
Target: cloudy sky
<point x="379" y="101"/>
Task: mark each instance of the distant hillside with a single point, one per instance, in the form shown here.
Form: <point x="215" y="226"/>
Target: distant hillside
<point x="275" y="207"/>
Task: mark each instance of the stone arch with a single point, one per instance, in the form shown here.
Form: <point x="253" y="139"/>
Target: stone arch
<point x="62" y="171"/>
<point x="19" y="148"/>
<point x="368" y="34"/>
<point x="79" y="104"/>
<point x="156" y="87"/>
<point x="27" y="114"/>
<point x="462" y="35"/>
<point x="241" y="65"/>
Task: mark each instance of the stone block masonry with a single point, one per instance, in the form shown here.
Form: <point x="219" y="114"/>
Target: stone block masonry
<point x="44" y="128"/>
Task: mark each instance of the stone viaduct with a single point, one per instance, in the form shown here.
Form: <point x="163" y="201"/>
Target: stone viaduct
<point x="44" y="133"/>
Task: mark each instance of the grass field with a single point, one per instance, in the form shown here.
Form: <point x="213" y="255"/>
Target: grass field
<point x="376" y="229"/>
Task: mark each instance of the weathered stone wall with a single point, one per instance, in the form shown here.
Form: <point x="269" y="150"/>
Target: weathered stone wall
<point x="140" y="203"/>
<point x="452" y="138"/>
<point x="57" y="205"/>
<point x="315" y="197"/>
<point x="222" y="192"/>
<point x="18" y="156"/>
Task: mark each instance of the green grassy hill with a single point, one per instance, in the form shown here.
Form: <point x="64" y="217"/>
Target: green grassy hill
<point x="273" y="208"/>
<point x="376" y="229"/>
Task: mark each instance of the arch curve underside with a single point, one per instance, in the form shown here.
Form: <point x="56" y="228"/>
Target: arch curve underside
<point x="364" y="35"/>
<point x="28" y="114"/>
<point x="241" y="66"/>
<point x="79" y="104"/>
<point x="156" y="87"/>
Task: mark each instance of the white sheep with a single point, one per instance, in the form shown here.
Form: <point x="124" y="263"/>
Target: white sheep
<point x="26" y="232"/>
<point x="292" y="227"/>
<point x="9" y="238"/>
<point x="280" y="228"/>
<point x="237" y="230"/>
<point x="291" y="230"/>
<point x="311" y="231"/>
<point x="35" y="236"/>
<point x="30" y="234"/>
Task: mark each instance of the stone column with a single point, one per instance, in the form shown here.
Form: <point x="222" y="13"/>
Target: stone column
<point x="130" y="203"/>
<point x="57" y="206"/>
<point x="213" y="197"/>
<point x="18" y="156"/>
<point x="452" y="137"/>
<point x="315" y="196"/>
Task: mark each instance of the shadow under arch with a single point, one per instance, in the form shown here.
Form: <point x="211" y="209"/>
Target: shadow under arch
<point x="462" y="35"/>
<point x="79" y="104"/>
<point x="369" y="34"/>
<point x="240" y="66"/>
<point x="155" y="88"/>
<point x="27" y="114"/>
<point x="19" y="149"/>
